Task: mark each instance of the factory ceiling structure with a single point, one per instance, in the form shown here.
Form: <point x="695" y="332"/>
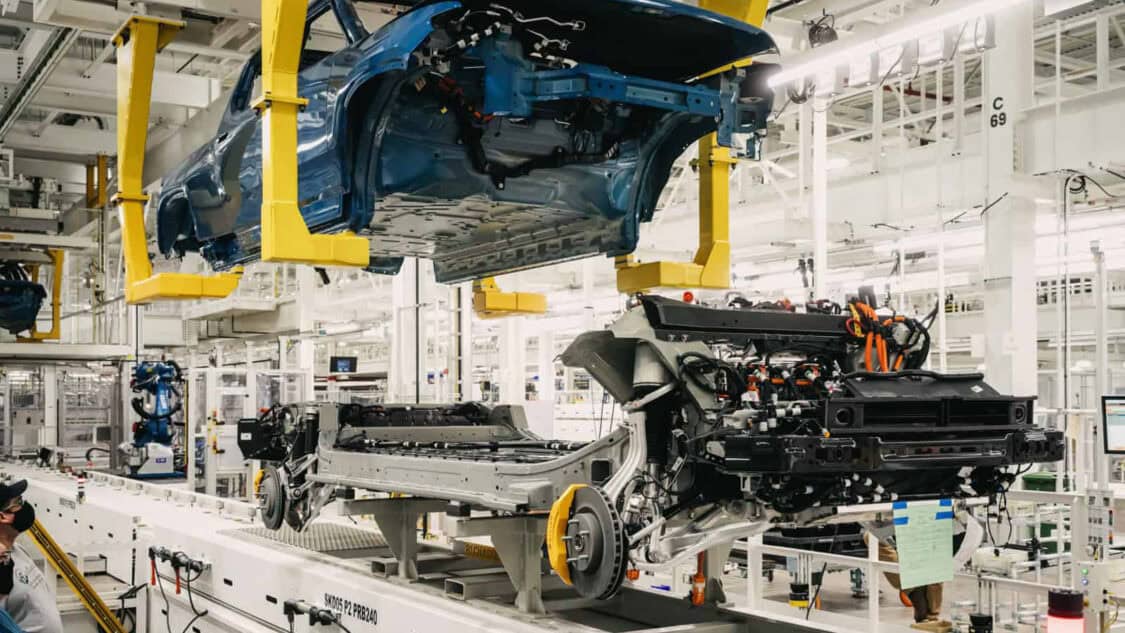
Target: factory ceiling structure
<point x="562" y="315"/>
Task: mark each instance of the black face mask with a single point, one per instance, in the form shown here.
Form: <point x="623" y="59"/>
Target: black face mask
<point x="7" y="579"/>
<point x="25" y="518"/>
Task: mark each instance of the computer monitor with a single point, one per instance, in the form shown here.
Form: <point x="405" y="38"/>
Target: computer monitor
<point x="342" y="364"/>
<point x="1113" y="424"/>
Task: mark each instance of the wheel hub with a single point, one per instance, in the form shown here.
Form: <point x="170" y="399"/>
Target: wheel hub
<point x="272" y="497"/>
<point x="595" y="545"/>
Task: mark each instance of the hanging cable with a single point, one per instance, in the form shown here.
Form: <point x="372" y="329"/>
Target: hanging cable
<point x="167" y="606"/>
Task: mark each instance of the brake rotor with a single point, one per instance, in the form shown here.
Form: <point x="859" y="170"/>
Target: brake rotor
<point x="595" y="545"/>
<point x="272" y="497"/>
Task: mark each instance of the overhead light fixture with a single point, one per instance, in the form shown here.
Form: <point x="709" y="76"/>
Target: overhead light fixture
<point x="901" y="40"/>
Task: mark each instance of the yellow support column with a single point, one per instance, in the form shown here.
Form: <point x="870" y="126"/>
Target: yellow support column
<point x="57" y="256"/>
<point x="138" y="41"/>
<point x="710" y="268"/>
<point x="285" y="236"/>
<point x="101" y="165"/>
<point x="97" y="179"/>
<point x="91" y="185"/>
<point x="489" y="302"/>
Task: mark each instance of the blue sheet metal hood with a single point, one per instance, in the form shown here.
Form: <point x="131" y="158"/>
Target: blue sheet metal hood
<point x="19" y="304"/>
<point x="659" y="39"/>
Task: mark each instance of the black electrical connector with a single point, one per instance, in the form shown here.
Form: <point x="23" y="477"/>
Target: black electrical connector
<point x="162" y="554"/>
<point x="317" y="615"/>
<point x="181" y="560"/>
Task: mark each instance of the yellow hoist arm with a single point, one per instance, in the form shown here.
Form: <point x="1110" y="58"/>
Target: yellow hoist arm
<point x="138" y="41"/>
<point x="57" y="258"/>
<point x="710" y="268"/>
<point x="285" y="236"/>
<point x="490" y="302"/>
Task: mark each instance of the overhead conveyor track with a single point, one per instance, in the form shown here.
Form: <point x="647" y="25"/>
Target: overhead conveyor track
<point x="35" y="76"/>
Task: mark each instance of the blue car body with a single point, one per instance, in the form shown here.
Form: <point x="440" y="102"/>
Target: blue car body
<point x="20" y="298"/>
<point x="20" y="302"/>
<point x="486" y="136"/>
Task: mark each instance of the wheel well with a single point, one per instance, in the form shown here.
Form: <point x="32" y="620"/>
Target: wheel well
<point x="353" y="151"/>
<point x="175" y="229"/>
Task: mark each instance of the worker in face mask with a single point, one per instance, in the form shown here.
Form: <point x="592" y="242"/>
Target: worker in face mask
<point x="24" y="593"/>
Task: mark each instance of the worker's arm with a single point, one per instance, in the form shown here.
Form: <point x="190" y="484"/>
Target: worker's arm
<point x="7" y="624"/>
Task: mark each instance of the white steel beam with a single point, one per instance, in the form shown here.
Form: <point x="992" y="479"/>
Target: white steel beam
<point x="32" y="45"/>
<point x="50" y="241"/>
<point x="34" y="73"/>
<point x="50" y="406"/>
<point x="65" y="173"/>
<point x="465" y="341"/>
<point x="168" y="88"/>
<point x="7" y="20"/>
<point x="46" y="122"/>
<point x="49" y="351"/>
<point x="1010" y="312"/>
<point x="228" y="31"/>
<point x="819" y="210"/>
<point x="402" y="377"/>
<point x="1101" y="43"/>
<point x="93" y="15"/>
<point x="104" y="107"/>
<point x="176" y="46"/>
<point x="513" y="361"/>
<point x="103" y="54"/>
<point x="63" y="139"/>
<point x="1117" y="29"/>
<point x="54" y="99"/>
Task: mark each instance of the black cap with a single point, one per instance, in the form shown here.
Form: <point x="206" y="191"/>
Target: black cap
<point x="10" y="490"/>
<point x="1065" y="603"/>
<point x="980" y="623"/>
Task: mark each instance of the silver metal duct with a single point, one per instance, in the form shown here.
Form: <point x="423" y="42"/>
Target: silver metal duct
<point x="49" y="57"/>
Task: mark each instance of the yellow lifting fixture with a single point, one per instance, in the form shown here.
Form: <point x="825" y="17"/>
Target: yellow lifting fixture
<point x="138" y="41"/>
<point x="489" y="302"/>
<point x="65" y="567"/>
<point x="711" y="266"/>
<point x="285" y="236"/>
<point x="57" y="257"/>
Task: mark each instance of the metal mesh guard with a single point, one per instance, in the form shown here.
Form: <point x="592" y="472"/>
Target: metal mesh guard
<point x="318" y="537"/>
